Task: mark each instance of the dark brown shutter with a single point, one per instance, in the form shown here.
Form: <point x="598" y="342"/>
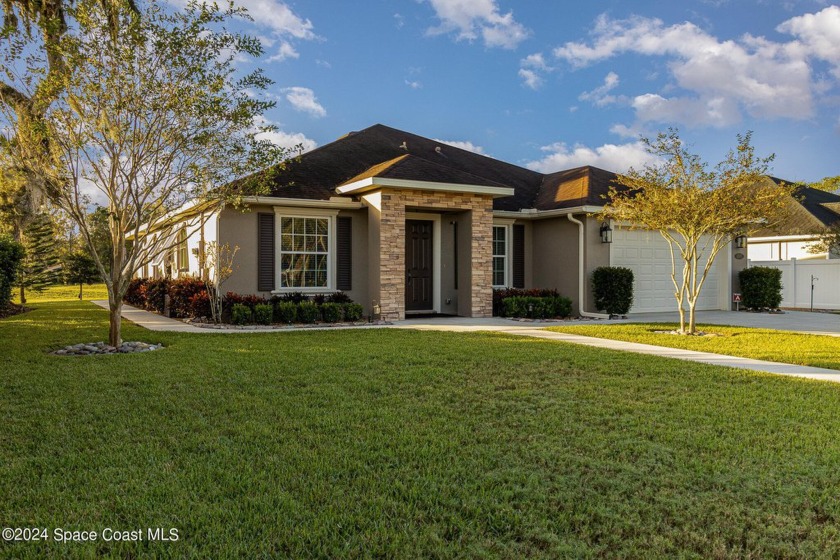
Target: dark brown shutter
<point x="518" y="256"/>
<point x="265" y="252"/>
<point x="344" y="258"/>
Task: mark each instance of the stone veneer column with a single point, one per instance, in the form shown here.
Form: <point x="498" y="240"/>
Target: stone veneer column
<point x="392" y="246"/>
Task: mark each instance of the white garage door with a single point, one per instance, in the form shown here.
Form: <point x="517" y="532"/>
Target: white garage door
<point x="646" y="253"/>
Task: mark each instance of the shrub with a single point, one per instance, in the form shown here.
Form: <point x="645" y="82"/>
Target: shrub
<point x="136" y="293"/>
<point x="263" y="313"/>
<point x="156" y="291"/>
<point x="294" y="297"/>
<point x="612" y="287"/>
<point x="285" y="312"/>
<point x="200" y="305"/>
<point x="11" y="253"/>
<point x="534" y="307"/>
<point x="240" y="314"/>
<point x="331" y="312"/>
<point x="500" y="295"/>
<point x="181" y="292"/>
<point x="353" y="312"/>
<point x="761" y="287"/>
<point x="308" y="312"/>
<point x="338" y="297"/>
<point x="232" y="298"/>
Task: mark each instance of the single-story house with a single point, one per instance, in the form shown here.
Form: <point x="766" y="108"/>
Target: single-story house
<point x="811" y="212"/>
<point x="413" y="225"/>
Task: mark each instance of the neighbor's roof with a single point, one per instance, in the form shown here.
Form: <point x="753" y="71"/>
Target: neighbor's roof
<point x="809" y="211"/>
<point x="381" y="151"/>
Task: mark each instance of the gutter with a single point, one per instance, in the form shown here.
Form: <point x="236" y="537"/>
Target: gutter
<point x="534" y="214"/>
<point x="582" y="273"/>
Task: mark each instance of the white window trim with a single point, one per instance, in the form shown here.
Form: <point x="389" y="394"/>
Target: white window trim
<point x="332" y="249"/>
<point x="506" y="224"/>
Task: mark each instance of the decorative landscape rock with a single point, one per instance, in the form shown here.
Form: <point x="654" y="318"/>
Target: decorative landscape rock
<point x="87" y="348"/>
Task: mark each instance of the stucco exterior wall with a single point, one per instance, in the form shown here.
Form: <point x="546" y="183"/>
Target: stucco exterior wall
<point x="555" y="257"/>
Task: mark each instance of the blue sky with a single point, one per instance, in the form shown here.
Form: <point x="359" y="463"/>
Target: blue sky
<point x="552" y="85"/>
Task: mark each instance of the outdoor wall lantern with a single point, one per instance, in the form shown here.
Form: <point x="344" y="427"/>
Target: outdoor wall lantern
<point x="606" y="233"/>
<point x="377" y="310"/>
<point x="740" y="241"/>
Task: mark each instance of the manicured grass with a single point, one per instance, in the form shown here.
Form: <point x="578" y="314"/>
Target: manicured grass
<point x="762" y="344"/>
<point x="61" y="292"/>
<point x="405" y="444"/>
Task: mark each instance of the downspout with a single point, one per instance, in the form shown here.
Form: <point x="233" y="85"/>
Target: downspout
<point x="582" y="273"/>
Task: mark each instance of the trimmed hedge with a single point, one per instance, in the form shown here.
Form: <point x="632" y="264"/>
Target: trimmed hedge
<point x="532" y="307"/>
<point x="240" y="314"/>
<point x="761" y="287"/>
<point x="263" y="313"/>
<point x="11" y="253"/>
<point x="612" y="287"/>
<point x="188" y="299"/>
<point x="499" y="295"/>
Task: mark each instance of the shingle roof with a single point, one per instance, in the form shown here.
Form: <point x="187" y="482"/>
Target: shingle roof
<point x="582" y="186"/>
<point x="316" y="174"/>
<point x="809" y="211"/>
<point x="412" y="167"/>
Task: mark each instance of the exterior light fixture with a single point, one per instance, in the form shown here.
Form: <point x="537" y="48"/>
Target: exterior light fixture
<point x="740" y="241"/>
<point x="377" y="310"/>
<point x="606" y="233"/>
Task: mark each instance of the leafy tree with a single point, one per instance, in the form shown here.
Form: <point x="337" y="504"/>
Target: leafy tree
<point x="11" y="253"/>
<point x="156" y="120"/>
<point x="830" y="184"/>
<point x="697" y="210"/>
<point x="80" y="268"/>
<point x="41" y="264"/>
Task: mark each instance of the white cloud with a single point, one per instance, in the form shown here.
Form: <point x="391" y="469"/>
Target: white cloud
<point x="289" y="140"/>
<point x="472" y="19"/>
<point x="464" y="145"/>
<point x="531" y="68"/>
<point x="819" y="33"/>
<point x="285" y="51"/>
<point x="599" y="96"/>
<point x="303" y="99"/>
<point x="719" y="80"/>
<point x="612" y="157"/>
<point x="413" y="84"/>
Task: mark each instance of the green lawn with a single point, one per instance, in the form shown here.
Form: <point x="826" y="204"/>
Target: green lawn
<point x="402" y="444"/>
<point x="762" y="344"/>
<point x="61" y="292"/>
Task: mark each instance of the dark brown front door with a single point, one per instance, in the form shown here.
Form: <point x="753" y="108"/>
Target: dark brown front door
<point x="418" y="265"/>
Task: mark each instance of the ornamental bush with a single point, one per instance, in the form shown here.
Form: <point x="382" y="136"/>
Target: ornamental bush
<point x="263" y="313"/>
<point x="331" y="312"/>
<point x="240" y="314"/>
<point x="285" y="312"/>
<point x="499" y="295"/>
<point x="136" y="293"/>
<point x="181" y="292"/>
<point x="353" y="312"/>
<point x="156" y="291"/>
<point x="533" y="307"/>
<point x="11" y="253"/>
<point x="761" y="287"/>
<point x="612" y="287"/>
<point x="308" y="312"/>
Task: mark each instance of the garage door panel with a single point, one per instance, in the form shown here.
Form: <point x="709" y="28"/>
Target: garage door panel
<point x="648" y="256"/>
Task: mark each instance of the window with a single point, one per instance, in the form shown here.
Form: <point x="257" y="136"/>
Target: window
<point x="183" y="251"/>
<point x="305" y="252"/>
<point x="500" y="254"/>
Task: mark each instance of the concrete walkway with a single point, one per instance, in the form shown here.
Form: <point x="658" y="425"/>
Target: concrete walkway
<point x="155" y="322"/>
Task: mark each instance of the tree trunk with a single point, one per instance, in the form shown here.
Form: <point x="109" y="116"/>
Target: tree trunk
<point x="682" y="319"/>
<point x="22" y="295"/>
<point x="692" y="323"/>
<point x="80" y="290"/>
<point x="115" y="330"/>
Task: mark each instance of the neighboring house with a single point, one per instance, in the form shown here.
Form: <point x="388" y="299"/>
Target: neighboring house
<point x="811" y="212"/>
<point x="413" y="225"/>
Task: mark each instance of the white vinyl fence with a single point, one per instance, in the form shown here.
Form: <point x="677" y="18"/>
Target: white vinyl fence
<point x="796" y="282"/>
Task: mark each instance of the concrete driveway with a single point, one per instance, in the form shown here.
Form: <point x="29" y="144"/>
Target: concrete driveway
<point x="800" y="321"/>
